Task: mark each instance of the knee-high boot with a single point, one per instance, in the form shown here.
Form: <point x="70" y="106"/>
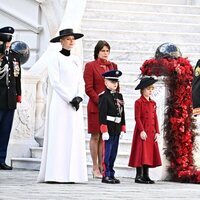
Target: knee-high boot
<point x="139" y="178"/>
<point x="146" y="175"/>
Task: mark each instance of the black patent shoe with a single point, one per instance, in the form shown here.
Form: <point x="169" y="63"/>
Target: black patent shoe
<point x="140" y="179"/>
<point x="115" y="179"/>
<point x="107" y="179"/>
<point x="149" y="180"/>
<point x="3" y="166"/>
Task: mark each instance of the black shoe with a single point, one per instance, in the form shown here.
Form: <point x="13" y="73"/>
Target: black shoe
<point x="107" y="179"/>
<point x="149" y="180"/>
<point x="140" y="179"/>
<point x="115" y="179"/>
<point x="3" y="166"/>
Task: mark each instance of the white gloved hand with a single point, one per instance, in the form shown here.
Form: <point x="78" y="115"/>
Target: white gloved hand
<point x="105" y="136"/>
<point x="121" y="135"/>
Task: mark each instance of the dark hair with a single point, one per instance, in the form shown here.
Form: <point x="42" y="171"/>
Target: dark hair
<point x="100" y="45"/>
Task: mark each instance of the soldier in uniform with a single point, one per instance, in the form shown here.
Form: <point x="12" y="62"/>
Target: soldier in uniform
<point x="112" y="123"/>
<point x="196" y="89"/>
<point x="10" y="90"/>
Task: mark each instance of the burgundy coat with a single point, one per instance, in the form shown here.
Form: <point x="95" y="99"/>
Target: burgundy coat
<point x="145" y="152"/>
<point x="94" y="85"/>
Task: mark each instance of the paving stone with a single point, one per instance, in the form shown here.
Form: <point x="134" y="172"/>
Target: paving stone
<point x="21" y="184"/>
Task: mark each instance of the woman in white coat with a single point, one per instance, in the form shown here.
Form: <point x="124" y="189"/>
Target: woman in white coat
<point x="64" y="155"/>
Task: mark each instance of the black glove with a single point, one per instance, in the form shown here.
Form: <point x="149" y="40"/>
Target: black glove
<point x="75" y="102"/>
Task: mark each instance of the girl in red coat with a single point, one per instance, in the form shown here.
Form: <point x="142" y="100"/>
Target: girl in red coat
<point x="144" y="151"/>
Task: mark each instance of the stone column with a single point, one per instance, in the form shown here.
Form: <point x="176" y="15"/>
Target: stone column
<point x="40" y="110"/>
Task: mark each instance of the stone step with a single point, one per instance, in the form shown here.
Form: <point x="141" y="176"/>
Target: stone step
<point x="128" y="110"/>
<point x="127" y="137"/>
<point x="122" y="55"/>
<point x="34" y="164"/>
<point x="122" y="158"/>
<point x="138" y="36"/>
<point x="144" y="15"/>
<point x="135" y="55"/>
<point x="129" y="120"/>
<point x="134" y="66"/>
<point x="140" y="7"/>
<point x="147" y="46"/>
<point x="127" y="88"/>
<point x="140" y="25"/>
<point x="181" y="2"/>
<point x="128" y="98"/>
<point x="124" y="146"/>
<point x="36" y="152"/>
<point x="26" y="163"/>
<point x="123" y="65"/>
<point x="120" y="170"/>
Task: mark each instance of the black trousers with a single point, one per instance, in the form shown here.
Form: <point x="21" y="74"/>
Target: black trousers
<point x="6" y="121"/>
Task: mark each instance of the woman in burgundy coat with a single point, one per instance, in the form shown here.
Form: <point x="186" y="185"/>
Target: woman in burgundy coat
<point x="94" y="85"/>
<point x="144" y="151"/>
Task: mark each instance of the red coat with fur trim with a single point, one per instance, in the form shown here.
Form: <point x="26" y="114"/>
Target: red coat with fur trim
<point x="145" y="152"/>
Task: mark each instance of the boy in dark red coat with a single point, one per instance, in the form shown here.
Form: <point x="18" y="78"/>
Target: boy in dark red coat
<point x="144" y="151"/>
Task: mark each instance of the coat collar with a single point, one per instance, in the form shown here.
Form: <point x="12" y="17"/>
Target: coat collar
<point x="145" y="100"/>
<point x="103" y="62"/>
<point x="100" y="63"/>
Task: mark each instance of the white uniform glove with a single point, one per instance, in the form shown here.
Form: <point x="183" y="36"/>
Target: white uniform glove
<point x="105" y="136"/>
<point x="121" y="135"/>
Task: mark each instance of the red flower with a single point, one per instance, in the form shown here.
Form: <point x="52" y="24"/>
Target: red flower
<point x="179" y="133"/>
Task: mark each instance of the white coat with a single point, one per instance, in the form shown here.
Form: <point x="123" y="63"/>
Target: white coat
<point x="64" y="154"/>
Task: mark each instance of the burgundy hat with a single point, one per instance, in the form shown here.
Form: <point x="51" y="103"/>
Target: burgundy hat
<point x="145" y="82"/>
<point x="66" y="32"/>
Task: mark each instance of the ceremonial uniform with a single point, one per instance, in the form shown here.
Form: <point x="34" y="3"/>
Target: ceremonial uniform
<point x="112" y="121"/>
<point x="10" y="92"/>
<point x="196" y="89"/>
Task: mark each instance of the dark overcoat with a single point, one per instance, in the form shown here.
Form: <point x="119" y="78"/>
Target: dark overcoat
<point x="10" y="84"/>
<point x="196" y="86"/>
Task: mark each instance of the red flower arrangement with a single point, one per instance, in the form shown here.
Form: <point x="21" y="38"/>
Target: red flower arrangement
<point x="179" y="124"/>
